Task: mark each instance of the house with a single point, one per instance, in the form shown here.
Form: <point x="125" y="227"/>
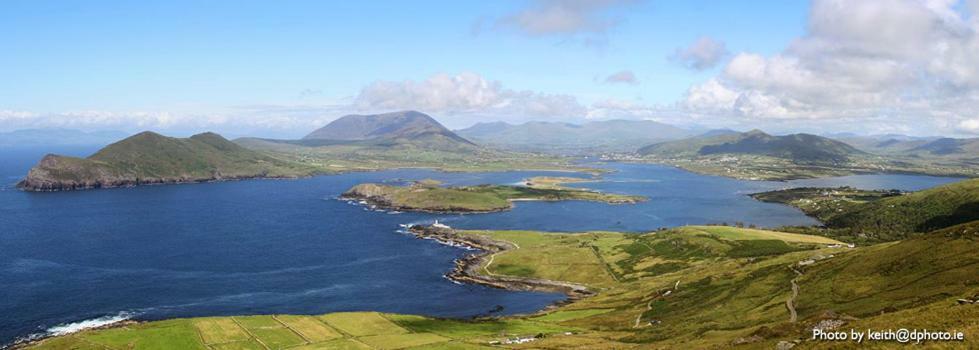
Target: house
<point x="440" y="225"/>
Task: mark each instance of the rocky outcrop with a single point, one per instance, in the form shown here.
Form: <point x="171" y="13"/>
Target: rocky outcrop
<point x="467" y="269"/>
<point x="59" y="173"/>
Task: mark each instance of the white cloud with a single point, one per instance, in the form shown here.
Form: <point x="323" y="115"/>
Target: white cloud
<point x="623" y="77"/>
<point x="564" y="17"/>
<point x="970" y="125"/>
<point x="903" y="60"/>
<point x="704" y="53"/>
<point x="466" y="93"/>
<point x="265" y="121"/>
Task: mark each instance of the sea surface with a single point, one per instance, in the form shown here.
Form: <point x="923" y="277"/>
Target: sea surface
<point x="72" y="259"/>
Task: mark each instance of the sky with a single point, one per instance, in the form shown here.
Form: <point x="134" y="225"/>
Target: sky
<point x="284" y="68"/>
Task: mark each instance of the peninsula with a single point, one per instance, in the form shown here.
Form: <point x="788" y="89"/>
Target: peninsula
<point x="881" y="216"/>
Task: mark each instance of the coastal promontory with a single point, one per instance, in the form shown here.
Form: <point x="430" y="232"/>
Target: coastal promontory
<point x="151" y="158"/>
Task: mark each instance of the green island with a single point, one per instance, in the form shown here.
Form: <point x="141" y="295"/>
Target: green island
<point x="882" y="216"/>
<point x="429" y="196"/>
<point x="696" y="287"/>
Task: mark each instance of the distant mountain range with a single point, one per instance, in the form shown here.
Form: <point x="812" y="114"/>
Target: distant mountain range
<point x="591" y="137"/>
<point x="58" y="137"/>
<point x="151" y="158"/>
<point x="901" y="145"/>
<point x="795" y="147"/>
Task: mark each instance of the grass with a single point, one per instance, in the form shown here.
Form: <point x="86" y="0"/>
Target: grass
<point x="720" y="286"/>
<point x="560" y="316"/>
<point x="270" y="332"/>
<point x="734" y="233"/>
<point x="218" y="330"/>
<point x="362" y="323"/>
<point x="309" y="328"/>
<point x="401" y="341"/>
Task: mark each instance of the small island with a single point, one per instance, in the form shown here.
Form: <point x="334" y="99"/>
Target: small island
<point x="430" y="196"/>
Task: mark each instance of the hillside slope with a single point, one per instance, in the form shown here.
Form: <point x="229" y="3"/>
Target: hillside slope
<point x="882" y="216"/>
<point x="923" y="211"/>
<point x="150" y="158"/>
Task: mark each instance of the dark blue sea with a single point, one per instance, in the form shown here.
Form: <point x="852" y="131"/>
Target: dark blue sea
<point x="288" y="246"/>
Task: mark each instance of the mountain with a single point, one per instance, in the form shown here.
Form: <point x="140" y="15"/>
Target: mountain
<point x="950" y="146"/>
<point x="58" y="137"/>
<point x="795" y="147"/>
<point x="718" y="132"/>
<point x="387" y="128"/>
<point x="150" y="158"/>
<point x="597" y="136"/>
<point x="890" y="144"/>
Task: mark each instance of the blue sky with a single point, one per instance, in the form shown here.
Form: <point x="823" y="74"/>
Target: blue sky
<point x="170" y="65"/>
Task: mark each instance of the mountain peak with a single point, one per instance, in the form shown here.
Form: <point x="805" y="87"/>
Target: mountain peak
<point x="401" y="126"/>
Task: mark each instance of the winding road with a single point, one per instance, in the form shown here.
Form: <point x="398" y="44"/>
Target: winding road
<point x="790" y="303"/>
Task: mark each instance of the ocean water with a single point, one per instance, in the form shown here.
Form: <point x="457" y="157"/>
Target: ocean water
<point x="72" y="259"/>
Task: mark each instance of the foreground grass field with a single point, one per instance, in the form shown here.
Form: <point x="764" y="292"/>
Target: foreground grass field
<point x="690" y="287"/>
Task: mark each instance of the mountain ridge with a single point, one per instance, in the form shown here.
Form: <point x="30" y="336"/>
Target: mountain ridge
<point x="799" y="147"/>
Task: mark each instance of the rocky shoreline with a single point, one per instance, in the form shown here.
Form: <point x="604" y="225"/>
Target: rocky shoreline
<point x="467" y="269"/>
<point x="34" y="185"/>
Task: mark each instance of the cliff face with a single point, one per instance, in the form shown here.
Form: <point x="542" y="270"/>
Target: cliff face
<point x="56" y="173"/>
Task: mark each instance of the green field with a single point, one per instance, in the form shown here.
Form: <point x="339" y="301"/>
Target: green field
<point x="695" y="287"/>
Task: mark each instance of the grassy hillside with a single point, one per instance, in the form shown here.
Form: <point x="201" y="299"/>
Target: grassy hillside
<point x="877" y="216"/>
<point x="922" y="211"/>
<point x="428" y="196"/>
<point x="149" y="158"/>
